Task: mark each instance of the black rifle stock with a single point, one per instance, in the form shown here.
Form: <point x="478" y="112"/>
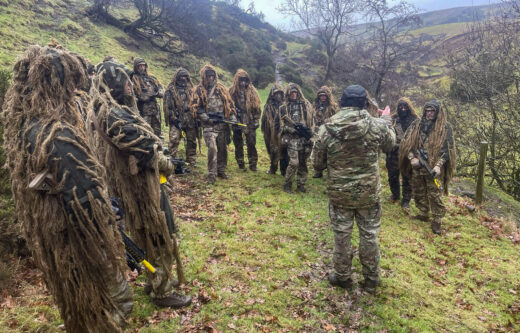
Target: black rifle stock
<point x="301" y="130"/>
<point x="423" y="160"/>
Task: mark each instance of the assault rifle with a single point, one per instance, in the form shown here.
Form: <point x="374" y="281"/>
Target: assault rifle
<point x="219" y="118"/>
<point x="180" y="166"/>
<point x="301" y="130"/>
<point x="422" y="155"/>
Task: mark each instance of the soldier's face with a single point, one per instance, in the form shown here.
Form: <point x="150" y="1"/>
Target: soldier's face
<point x="278" y="97"/>
<point x="293" y="95"/>
<point x="430" y="113"/>
<point x="127" y="88"/>
<point x="183" y="79"/>
<point x="210" y="78"/>
<point x="243" y="83"/>
<point x="323" y="98"/>
<point x="141" y="68"/>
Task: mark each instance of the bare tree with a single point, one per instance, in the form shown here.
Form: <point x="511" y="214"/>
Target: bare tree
<point x="389" y="38"/>
<point x="329" y="21"/>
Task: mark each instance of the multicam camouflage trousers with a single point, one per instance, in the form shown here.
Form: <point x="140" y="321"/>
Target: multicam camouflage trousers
<point x="427" y="195"/>
<point x="191" y="143"/>
<point x="274" y="156"/>
<point x="392" y="165"/>
<point x="155" y="121"/>
<point x="297" y="164"/>
<point x="368" y="221"/>
<point x="217" y="152"/>
<point x="238" y="141"/>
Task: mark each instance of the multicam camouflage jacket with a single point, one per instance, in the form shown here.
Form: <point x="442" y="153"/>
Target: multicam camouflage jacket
<point x="348" y="145"/>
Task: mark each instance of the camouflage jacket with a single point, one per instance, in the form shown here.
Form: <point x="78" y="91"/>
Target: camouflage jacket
<point x="348" y="145"/>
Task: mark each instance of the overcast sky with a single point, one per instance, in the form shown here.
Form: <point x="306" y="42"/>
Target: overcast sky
<point x="269" y="8"/>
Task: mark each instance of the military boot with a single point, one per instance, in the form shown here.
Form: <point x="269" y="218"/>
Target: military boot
<point x="287" y="187"/>
<point x="211" y="180"/>
<point x="301" y="188"/>
<point x="422" y="217"/>
<point x="242" y="167"/>
<point x="370" y="285"/>
<point x="334" y="281"/>
<point x="318" y="174"/>
<point x="175" y="301"/>
<point x="253" y="168"/>
<point x="436" y="226"/>
<point x="222" y="175"/>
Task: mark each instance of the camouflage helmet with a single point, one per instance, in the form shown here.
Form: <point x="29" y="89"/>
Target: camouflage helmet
<point x="115" y="76"/>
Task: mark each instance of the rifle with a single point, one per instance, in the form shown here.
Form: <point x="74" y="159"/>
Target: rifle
<point x="134" y="255"/>
<point x="219" y="118"/>
<point x="422" y="155"/>
<point x="177" y="123"/>
<point x="301" y="130"/>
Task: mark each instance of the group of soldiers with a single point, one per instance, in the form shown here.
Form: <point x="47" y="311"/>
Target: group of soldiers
<point x="87" y="160"/>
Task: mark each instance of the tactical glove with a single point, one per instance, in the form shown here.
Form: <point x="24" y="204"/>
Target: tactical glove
<point x="166" y="166"/>
<point x="415" y="163"/>
<point x="204" y="117"/>
<point x="232" y="117"/>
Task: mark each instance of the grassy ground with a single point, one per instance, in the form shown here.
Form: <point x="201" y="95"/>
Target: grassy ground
<point x="257" y="260"/>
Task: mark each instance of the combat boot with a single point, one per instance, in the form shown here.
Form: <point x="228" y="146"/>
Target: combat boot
<point x="334" y="281"/>
<point x="318" y="174"/>
<point x="211" y="180"/>
<point x="253" y="168"/>
<point x="175" y="301"/>
<point x="392" y="199"/>
<point x="223" y="175"/>
<point x="301" y="188"/>
<point x="287" y="187"/>
<point x="242" y="166"/>
<point x="270" y="171"/>
<point x="370" y="285"/>
<point x="436" y="226"/>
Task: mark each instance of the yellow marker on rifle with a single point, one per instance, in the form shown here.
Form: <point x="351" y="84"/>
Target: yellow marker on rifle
<point x="437" y="183"/>
<point x="240" y="124"/>
<point x="148" y="266"/>
<point x="162" y="179"/>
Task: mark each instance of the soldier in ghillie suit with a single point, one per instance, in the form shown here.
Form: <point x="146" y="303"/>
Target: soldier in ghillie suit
<point x="178" y="116"/>
<point x="211" y="100"/>
<point x="271" y="126"/>
<point x="248" y="108"/>
<point x="429" y="139"/>
<point x="60" y="193"/>
<point x="134" y="161"/>
<point x="348" y="146"/>
<point x="325" y="106"/>
<point x="296" y="110"/>
<point x="401" y="119"/>
<point x="147" y="89"/>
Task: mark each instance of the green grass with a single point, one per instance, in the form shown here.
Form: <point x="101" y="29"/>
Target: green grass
<point x="257" y="260"/>
<point x="449" y="29"/>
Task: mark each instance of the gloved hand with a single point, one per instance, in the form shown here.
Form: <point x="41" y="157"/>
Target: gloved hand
<point x="204" y="117"/>
<point x="437" y="171"/>
<point x="233" y="117"/>
<point x="166" y="166"/>
<point x="289" y="129"/>
<point x="415" y="163"/>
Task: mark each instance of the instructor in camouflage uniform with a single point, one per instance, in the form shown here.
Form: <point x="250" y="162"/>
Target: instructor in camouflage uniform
<point x="248" y="108"/>
<point x="429" y="139"/>
<point x="325" y="106"/>
<point x="211" y="99"/>
<point x="401" y="120"/>
<point x="147" y="89"/>
<point x="178" y="116"/>
<point x="348" y="145"/>
<point x="271" y="126"/>
<point x="296" y="110"/>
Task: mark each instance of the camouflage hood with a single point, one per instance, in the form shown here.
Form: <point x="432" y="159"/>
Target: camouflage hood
<point x="328" y="92"/>
<point x="180" y="71"/>
<point x="202" y="73"/>
<point x="252" y="98"/>
<point x="408" y="102"/>
<point x="274" y="89"/>
<point x="140" y="61"/>
<point x="349" y="124"/>
<point x="294" y="86"/>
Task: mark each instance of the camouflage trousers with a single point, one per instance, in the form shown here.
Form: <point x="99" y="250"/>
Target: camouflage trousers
<point x="368" y="222"/>
<point x="191" y="143"/>
<point x="274" y="156"/>
<point x="121" y="295"/>
<point x="392" y="165"/>
<point x="297" y="164"/>
<point x="155" y="122"/>
<point x="238" y="141"/>
<point x="284" y="160"/>
<point x="216" y="142"/>
<point x="427" y="195"/>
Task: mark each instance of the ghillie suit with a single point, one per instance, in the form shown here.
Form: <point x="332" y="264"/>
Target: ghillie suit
<point x="134" y="160"/>
<point x="178" y="115"/>
<point x="248" y="108"/>
<point x="271" y="126"/>
<point x="323" y="110"/>
<point x="211" y="97"/>
<point x="147" y="89"/>
<point x="402" y="118"/>
<point x="295" y="111"/>
<point x="435" y="139"/>
<point x="348" y="146"/>
<point x="68" y="220"/>
<point x="81" y="98"/>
